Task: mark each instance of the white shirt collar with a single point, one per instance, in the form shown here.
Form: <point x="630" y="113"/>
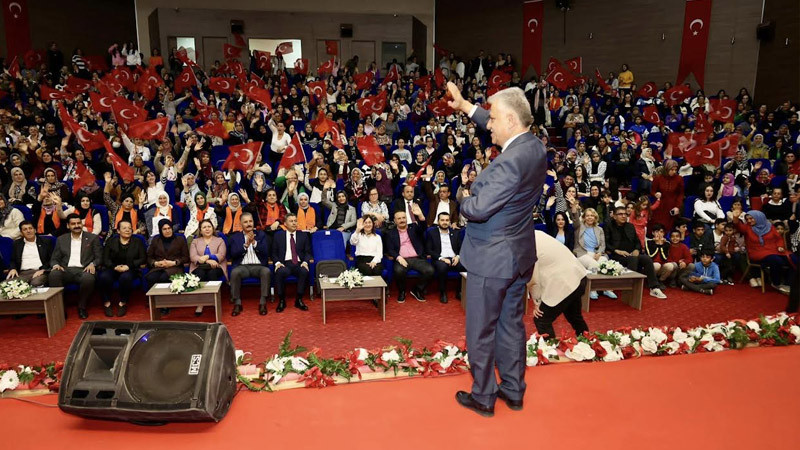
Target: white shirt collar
<point x="508" y="142"/>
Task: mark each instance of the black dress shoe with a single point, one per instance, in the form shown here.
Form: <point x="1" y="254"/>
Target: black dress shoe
<point x="164" y="311"/>
<point x="122" y="310"/>
<point x="82" y="313"/>
<point x="465" y="399"/>
<point x="418" y="294"/>
<point x="108" y="311"/>
<point x="262" y="309"/>
<point x="281" y="305"/>
<point x="516" y="405"/>
<point x="458" y="295"/>
<point x="237" y="309"/>
<point x="300" y="305"/>
<point x="443" y="298"/>
<point x="401" y="297"/>
<point x="198" y="313"/>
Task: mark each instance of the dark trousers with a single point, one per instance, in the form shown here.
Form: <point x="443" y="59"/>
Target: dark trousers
<point x="570" y="307"/>
<point x="777" y="264"/>
<point x="496" y="335"/>
<point x="284" y="272"/>
<point x="420" y="265"/>
<point x="641" y="263"/>
<point x="243" y="271"/>
<point x="362" y="264"/>
<point x="727" y="266"/>
<point x="794" y="293"/>
<point x="695" y="287"/>
<point x="209" y="274"/>
<point x="74" y="275"/>
<point x="441" y="269"/>
<point x="157" y="276"/>
<point x="106" y="281"/>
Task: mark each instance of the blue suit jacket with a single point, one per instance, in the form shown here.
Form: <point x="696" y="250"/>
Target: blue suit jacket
<point x="433" y="242"/>
<point x="237" y="251"/>
<point x="500" y="242"/>
<point x="302" y="241"/>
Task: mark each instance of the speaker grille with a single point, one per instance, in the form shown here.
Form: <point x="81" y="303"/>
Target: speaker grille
<point x="159" y="367"/>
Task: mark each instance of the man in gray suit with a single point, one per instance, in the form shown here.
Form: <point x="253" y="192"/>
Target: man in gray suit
<point x="75" y="259"/>
<point x="499" y="250"/>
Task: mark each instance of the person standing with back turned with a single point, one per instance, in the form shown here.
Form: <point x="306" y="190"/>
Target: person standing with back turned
<point x="499" y="250"/>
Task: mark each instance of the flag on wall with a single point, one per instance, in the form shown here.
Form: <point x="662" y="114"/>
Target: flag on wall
<point x="533" y="15"/>
<point x="332" y="48"/>
<point x="696" y="21"/>
<point x="18" y="28"/>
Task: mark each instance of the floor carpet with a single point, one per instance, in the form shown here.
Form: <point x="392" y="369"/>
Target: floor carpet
<point x="352" y="324"/>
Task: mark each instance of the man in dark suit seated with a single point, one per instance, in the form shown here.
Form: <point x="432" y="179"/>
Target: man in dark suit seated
<point x="443" y="244"/>
<point x="75" y="259"/>
<point x="408" y="205"/>
<point x="249" y="257"/>
<point x="405" y="245"/>
<point x="30" y="256"/>
<point x="624" y="246"/>
<point x="291" y="251"/>
<point x="440" y="202"/>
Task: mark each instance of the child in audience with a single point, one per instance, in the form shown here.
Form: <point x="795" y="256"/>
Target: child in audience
<point x="700" y="240"/>
<point x="680" y="257"/>
<point x="731" y="249"/>
<point x="705" y="276"/>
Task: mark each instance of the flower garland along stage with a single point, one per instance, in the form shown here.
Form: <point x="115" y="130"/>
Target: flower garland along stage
<point x="295" y="367"/>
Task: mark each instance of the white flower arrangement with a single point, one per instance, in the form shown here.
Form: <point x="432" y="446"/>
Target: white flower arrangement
<point x="278" y="366"/>
<point x="183" y="282"/>
<point x="350" y="279"/>
<point x="15" y="289"/>
<point x="611" y="268"/>
<point x="9" y="380"/>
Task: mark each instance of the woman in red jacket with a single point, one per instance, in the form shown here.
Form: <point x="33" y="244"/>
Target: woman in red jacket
<point x="766" y="247"/>
<point x="670" y="186"/>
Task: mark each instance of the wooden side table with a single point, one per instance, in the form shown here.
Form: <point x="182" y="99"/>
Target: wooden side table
<point x="374" y="288"/>
<point x="47" y="301"/>
<point x="630" y="284"/>
<point x="208" y="295"/>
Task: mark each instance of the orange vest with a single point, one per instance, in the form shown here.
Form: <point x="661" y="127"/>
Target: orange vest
<point x="307" y="219"/>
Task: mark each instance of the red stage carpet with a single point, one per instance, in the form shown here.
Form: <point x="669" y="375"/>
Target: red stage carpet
<point x="733" y="399"/>
<point x="358" y="324"/>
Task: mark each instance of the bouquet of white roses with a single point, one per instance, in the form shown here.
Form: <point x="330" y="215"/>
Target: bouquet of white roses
<point x="183" y="282"/>
<point x="15" y="289"/>
<point x="350" y="279"/>
<point x="611" y="268"/>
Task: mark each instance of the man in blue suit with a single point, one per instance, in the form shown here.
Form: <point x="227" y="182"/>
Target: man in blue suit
<point x="249" y="258"/>
<point x="499" y="249"/>
<point x="291" y="251"/>
<point x="443" y="244"/>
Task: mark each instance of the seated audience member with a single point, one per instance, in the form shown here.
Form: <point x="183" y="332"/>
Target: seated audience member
<point x="717" y="232"/>
<point x="731" y="253"/>
<point x="10" y="219"/>
<point x="777" y="208"/>
<point x="590" y="245"/>
<point x="562" y="230"/>
<point x="307" y="218"/>
<point x="265" y="205"/>
<point x="408" y="205"/>
<point x="443" y="244"/>
<point x="199" y="210"/>
<point x="705" y="276"/>
<point x="368" y="245"/>
<point x="557" y="286"/>
<point x="766" y="247"/>
<point x="232" y="214"/>
<point x="291" y="251"/>
<point x="376" y="208"/>
<point x="45" y="214"/>
<point x="207" y="255"/>
<point x="623" y="245"/>
<point x="342" y="216"/>
<point x="680" y="257"/>
<point x="707" y="209"/>
<point x="658" y="250"/>
<point x="30" y="256"/>
<point x="123" y="257"/>
<point x="160" y="211"/>
<point x="250" y="253"/>
<point x="700" y="240"/>
<point x="167" y="254"/>
<point x="75" y="259"/>
<point x="440" y="202"/>
<point x="92" y="222"/>
<point x="405" y="245"/>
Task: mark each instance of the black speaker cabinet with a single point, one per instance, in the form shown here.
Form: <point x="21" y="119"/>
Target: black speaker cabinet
<point x="765" y="31"/>
<point x="346" y="30"/>
<point x="237" y="26"/>
<point x="149" y="372"/>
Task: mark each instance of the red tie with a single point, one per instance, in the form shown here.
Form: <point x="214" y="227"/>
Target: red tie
<point x="293" y="248"/>
<point x="411" y="213"/>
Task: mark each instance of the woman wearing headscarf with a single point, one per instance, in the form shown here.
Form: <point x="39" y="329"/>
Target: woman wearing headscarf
<point x="45" y="214"/>
<point x="645" y="169"/>
<point x="10" y="218"/>
<point x="759" y="187"/>
<point x="238" y="135"/>
<point x="765" y="246"/>
<point x="167" y="254"/>
<point x="232" y="214"/>
<point x="89" y="216"/>
<point x="220" y="189"/>
<point x="123" y="257"/>
<point x="596" y="168"/>
<point x="19" y="191"/>
<point x="199" y="210"/>
<point x="307" y="219"/>
<point x="670" y="185"/>
<point x="342" y="216"/>
<point x="740" y="167"/>
<point x="757" y="148"/>
<point x="266" y="208"/>
<point x="728" y="187"/>
<point x="161" y="210"/>
<point x="207" y="255"/>
<point x="355" y="188"/>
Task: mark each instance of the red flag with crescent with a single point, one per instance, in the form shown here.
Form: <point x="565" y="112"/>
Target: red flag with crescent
<point x="123" y="169"/>
<point x="301" y="66"/>
<point x="649" y="90"/>
<point x="242" y="157"/>
<point x="694" y="45"/>
<point x="370" y="150"/>
<point x="83" y="176"/>
<point x="186" y="79"/>
<point x="293" y="154"/>
<point x="213" y="128"/>
<point x="677" y="94"/>
<point x="372" y="104"/>
<point x="650" y="114"/>
<point x="532" y="21"/>
<point x="364" y="80"/>
<point x="220" y="84"/>
<point x="263" y="60"/>
<point x="151" y="129"/>
<point x="722" y="110"/>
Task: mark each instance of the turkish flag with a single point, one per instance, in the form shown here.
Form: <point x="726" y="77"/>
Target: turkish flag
<point x="83" y="177"/>
<point x="323" y="125"/>
<point x="392" y="76"/>
<point x="123" y="169"/>
<point x="332" y="47"/>
<point x="722" y="110"/>
<point x="183" y="56"/>
<point x="498" y="78"/>
<point x="257" y="81"/>
<point x="213" y="128"/>
<point x="284" y="83"/>
<point x="237" y="68"/>
<point x="424" y="83"/>
<point x="224" y="85"/>
<point x="677" y="94"/>
<point x="552" y="63"/>
<point x="259" y="95"/>
<point x="293" y="154"/>
<point x="560" y="78"/>
<point x="650" y="114"/>
<point x="284" y="48"/>
<point x="370" y="150"/>
<point x="701" y="124"/>
<point x="318" y="89"/>
<point x="34" y="58"/>
<point x="126" y="113"/>
<point x="100" y="103"/>
<point x="681" y="143"/>
<point x="413" y="182"/>
<point x="364" y="80"/>
<point x="108" y="84"/>
<point x="729" y="145"/>
<point x="88" y="140"/>
<point x="301" y="66"/>
<point x="372" y="104"/>
<point x="47" y="93"/>
<point x="704" y="154"/>
<point x="327" y="67"/>
<point x="532" y="21"/>
<point x="204" y="109"/>
<point x="96" y="63"/>
<point x="231" y="51"/>
<point x="186" y="79"/>
<point x="123" y="77"/>
<point x="601" y="81"/>
<point x="151" y="129"/>
<point x="696" y="22"/>
<point x="440" y="107"/>
<point x="148" y="83"/>
<point x="439" y="50"/>
<point x="13" y="68"/>
<point x="263" y="61"/>
<point x="438" y="77"/>
<point x="77" y="85"/>
<point x="242" y="157"/>
<point x="239" y="40"/>
<point x="575" y="64"/>
<point x="649" y="90"/>
<point x="17" y="26"/>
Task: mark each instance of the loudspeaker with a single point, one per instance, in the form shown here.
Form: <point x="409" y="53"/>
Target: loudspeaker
<point x="149" y="372"/>
<point x="237" y="27"/>
<point x="346" y="30"/>
<point x="765" y="31"/>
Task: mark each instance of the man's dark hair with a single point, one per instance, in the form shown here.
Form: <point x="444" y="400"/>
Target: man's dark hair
<point x="26" y="222"/>
<point x="73" y="216"/>
<point x="442" y="214"/>
<point x="658" y="227"/>
<point x="620" y="208"/>
<point x="719" y="221"/>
